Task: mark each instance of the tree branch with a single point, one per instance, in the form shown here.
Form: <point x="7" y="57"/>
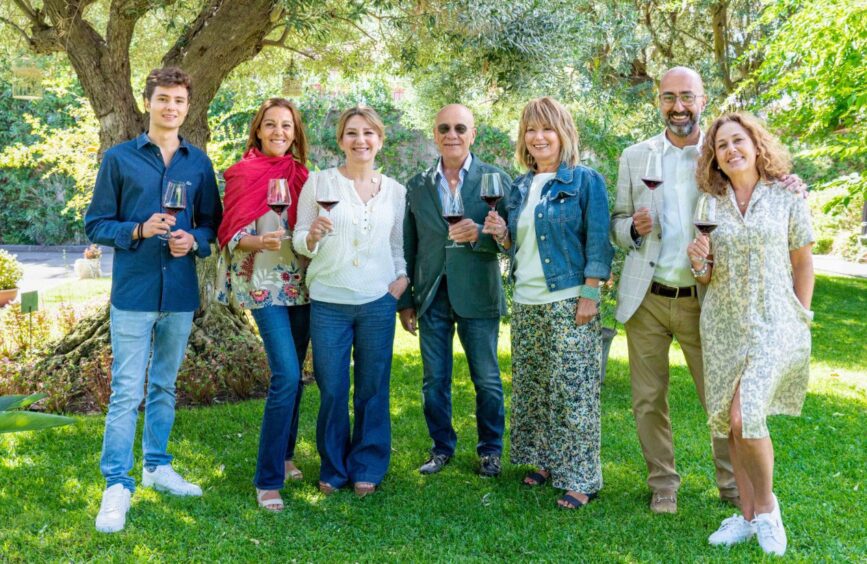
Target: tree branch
<point x="12" y="24"/>
<point x="28" y="10"/>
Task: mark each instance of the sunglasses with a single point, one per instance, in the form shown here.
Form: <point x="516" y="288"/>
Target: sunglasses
<point x="444" y="128"/>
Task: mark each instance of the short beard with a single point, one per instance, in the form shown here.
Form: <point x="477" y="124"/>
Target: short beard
<point x="684" y="130"/>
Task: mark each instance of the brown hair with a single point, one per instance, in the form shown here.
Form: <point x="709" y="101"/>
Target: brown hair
<point x="368" y="114"/>
<point x="167" y="76"/>
<point x="299" y="144"/>
<point x="772" y="159"/>
<point x="547" y="111"/>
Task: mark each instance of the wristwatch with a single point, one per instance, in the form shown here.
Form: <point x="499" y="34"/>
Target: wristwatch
<point x="195" y="247"/>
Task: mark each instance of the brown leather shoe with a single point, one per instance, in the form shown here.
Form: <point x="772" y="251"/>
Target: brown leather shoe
<point x="664" y="501"/>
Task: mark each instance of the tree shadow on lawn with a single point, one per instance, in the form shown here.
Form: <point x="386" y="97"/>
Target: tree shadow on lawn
<point x="51" y="488"/>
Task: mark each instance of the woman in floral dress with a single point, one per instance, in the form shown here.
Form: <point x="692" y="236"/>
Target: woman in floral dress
<point x="259" y="271"/>
<point x="755" y="319"/>
<point x="557" y="234"/>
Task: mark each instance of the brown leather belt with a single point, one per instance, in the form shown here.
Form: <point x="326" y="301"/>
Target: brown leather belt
<point x="672" y="292"/>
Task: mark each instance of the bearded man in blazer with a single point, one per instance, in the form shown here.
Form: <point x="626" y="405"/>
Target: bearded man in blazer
<point x="455" y="288"/>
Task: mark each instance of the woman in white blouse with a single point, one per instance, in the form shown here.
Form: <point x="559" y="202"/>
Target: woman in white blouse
<point x="356" y="275"/>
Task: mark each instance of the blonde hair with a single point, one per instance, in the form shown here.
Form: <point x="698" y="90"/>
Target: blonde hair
<point x="548" y="112"/>
<point x="368" y="113"/>
<point x="772" y="159"/>
<point x="299" y="144"/>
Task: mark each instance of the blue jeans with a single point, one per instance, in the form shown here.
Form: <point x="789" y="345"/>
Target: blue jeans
<point x="367" y="331"/>
<point x="479" y="339"/>
<point x="142" y="342"/>
<point x="278" y="326"/>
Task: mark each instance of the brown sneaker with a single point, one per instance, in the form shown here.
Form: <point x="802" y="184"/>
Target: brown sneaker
<point x="664" y="501"/>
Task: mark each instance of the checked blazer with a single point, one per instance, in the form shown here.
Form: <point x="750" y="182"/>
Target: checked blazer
<point x="632" y="195"/>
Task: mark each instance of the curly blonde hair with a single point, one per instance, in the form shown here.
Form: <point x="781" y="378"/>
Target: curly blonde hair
<point x="772" y="159"/>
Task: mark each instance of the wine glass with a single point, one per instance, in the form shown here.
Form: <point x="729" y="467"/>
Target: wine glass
<point x="653" y="176"/>
<point x="174" y="201"/>
<point x="492" y="189"/>
<point x="279" y="199"/>
<point x="705" y="218"/>
<point x="453" y="212"/>
<point x="327" y="196"/>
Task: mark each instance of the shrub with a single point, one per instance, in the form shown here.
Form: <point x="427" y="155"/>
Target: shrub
<point x="10" y="270"/>
<point x="823" y="246"/>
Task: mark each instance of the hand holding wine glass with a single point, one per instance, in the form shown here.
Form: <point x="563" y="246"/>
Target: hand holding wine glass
<point x="279" y="199"/>
<point x="705" y="222"/>
<point x="174" y="201"/>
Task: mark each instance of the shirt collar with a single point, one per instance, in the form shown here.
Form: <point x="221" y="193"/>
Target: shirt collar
<point x="465" y="168"/>
<point x="143" y="140"/>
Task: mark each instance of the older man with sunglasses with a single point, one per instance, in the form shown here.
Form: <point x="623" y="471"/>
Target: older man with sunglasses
<point x="455" y="287"/>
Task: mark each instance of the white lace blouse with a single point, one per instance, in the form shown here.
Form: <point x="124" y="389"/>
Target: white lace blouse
<point x="365" y="253"/>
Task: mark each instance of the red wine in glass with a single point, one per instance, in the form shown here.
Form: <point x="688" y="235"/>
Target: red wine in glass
<point x="705" y="227"/>
<point x="652" y="183"/>
<point x="278" y="208"/>
<point x="175" y="210"/>
<point x="453" y="219"/>
<point x="174" y="201"/>
<point x="327" y="204"/>
<point x="492" y="201"/>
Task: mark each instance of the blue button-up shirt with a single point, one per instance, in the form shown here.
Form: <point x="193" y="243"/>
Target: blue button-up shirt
<point x="443" y="184"/>
<point x="129" y="189"/>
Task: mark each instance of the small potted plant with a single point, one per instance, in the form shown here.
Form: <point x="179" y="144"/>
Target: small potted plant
<point x="10" y="274"/>
<point x="89" y="266"/>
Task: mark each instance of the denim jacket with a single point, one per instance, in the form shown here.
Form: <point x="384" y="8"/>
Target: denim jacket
<point x="572" y="222"/>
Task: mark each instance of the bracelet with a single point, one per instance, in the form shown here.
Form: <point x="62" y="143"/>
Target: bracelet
<point x="140" y="231"/>
<point x="590" y="292"/>
<point x="700" y="273"/>
<point x="502" y="240"/>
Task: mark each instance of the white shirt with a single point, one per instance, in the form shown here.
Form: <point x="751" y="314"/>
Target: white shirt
<point x="365" y="254"/>
<point x="530" y="285"/>
<point x="679" y="198"/>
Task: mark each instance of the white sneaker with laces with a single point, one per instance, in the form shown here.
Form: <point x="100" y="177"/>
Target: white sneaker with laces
<point x="770" y="531"/>
<point x="165" y="479"/>
<point x="112" y="511"/>
<point x="733" y="530"/>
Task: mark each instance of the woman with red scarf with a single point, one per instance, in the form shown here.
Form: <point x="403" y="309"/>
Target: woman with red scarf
<point x="259" y="271"/>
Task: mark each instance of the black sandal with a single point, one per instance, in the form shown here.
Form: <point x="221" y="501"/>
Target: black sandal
<point x="572" y="502"/>
<point x="538" y="478"/>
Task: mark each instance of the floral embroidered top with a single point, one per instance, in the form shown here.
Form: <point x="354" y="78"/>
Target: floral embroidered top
<point x="261" y="278"/>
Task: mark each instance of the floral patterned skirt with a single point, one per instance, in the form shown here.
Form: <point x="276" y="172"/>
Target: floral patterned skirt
<point x="556" y="420"/>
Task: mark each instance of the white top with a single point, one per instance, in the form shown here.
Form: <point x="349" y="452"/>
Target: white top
<point x="365" y="254"/>
<point x="530" y="285"/>
<point x="679" y="198"/>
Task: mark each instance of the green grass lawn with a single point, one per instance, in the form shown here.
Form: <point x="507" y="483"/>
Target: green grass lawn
<point x="50" y="484"/>
<point x="76" y="291"/>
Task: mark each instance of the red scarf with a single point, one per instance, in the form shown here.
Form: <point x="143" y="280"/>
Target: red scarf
<point x="247" y="190"/>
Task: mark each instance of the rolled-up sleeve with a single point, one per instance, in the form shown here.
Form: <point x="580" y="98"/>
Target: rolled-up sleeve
<point x="597" y="222"/>
<point x="102" y="222"/>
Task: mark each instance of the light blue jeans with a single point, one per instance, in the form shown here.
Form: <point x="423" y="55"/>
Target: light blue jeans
<point x="142" y="343"/>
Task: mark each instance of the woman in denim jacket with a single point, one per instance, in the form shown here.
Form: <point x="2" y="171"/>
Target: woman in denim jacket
<point x="557" y="236"/>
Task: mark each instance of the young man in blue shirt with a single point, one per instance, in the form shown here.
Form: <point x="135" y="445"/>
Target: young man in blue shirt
<point x="154" y="291"/>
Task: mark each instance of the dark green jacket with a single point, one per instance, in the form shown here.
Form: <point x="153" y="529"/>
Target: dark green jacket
<point x="473" y="271"/>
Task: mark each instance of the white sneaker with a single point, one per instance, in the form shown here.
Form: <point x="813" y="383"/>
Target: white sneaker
<point x="733" y="530"/>
<point x="112" y="512"/>
<point x="769" y="529"/>
<point x="165" y="479"/>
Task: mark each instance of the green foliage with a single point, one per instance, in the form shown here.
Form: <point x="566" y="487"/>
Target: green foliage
<point x="819" y="94"/>
<point x="10" y="270"/>
<point x="12" y="420"/>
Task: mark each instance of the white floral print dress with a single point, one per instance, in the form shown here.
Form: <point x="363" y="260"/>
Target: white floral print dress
<point x="753" y="328"/>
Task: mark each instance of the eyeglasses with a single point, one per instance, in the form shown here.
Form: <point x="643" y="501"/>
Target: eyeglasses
<point x="687" y="99"/>
<point x="444" y="128"/>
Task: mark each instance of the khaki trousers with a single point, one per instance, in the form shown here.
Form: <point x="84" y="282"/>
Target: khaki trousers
<point x="649" y="334"/>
